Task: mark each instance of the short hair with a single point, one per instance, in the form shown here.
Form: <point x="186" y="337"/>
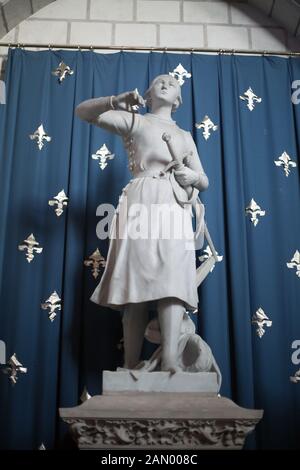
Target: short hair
<point x="147" y="95"/>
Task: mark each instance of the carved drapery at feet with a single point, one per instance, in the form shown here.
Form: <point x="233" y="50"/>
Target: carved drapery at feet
<point x="160" y="433"/>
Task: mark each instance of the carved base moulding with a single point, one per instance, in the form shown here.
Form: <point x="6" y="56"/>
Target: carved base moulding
<point x="149" y="420"/>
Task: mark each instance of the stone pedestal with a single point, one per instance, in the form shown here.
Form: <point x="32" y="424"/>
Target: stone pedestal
<point x="138" y="419"/>
<point x="139" y="381"/>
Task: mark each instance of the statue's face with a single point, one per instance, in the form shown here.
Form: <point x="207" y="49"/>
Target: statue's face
<point x="165" y="88"/>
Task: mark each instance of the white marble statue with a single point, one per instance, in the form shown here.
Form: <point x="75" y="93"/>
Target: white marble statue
<point x="166" y="171"/>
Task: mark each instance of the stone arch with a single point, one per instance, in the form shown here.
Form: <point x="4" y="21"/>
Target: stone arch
<point x="12" y="12"/>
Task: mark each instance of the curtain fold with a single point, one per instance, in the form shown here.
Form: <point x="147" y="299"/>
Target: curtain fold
<point x="67" y="354"/>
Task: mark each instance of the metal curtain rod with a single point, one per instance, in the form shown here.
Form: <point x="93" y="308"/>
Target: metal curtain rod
<point x="150" y="49"/>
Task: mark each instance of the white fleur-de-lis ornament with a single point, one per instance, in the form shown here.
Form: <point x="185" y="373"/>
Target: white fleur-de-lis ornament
<point x="95" y="260"/>
<point x="286" y="162"/>
<point x="103" y="154"/>
<point x="62" y="71"/>
<point x="180" y="74"/>
<point x="261" y="320"/>
<point x="206" y="125"/>
<point x="13" y="367"/>
<point x="295" y="263"/>
<point x="30" y="246"/>
<point x="251" y="98"/>
<point x="60" y="201"/>
<point x="254" y="210"/>
<point x="52" y="304"/>
<point x="40" y="136"/>
<point x="207" y="253"/>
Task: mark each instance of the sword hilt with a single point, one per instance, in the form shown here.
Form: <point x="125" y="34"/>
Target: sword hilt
<point x="168" y="139"/>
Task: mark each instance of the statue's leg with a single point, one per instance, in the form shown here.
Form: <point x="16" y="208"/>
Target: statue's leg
<point x="170" y="316"/>
<point x="135" y="320"/>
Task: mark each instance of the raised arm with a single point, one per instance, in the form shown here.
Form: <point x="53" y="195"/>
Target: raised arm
<point x="113" y="113"/>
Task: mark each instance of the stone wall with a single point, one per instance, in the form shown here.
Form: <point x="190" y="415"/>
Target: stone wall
<point x="166" y="23"/>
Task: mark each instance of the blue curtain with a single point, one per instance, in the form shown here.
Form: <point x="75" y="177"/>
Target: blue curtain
<point x="70" y="352"/>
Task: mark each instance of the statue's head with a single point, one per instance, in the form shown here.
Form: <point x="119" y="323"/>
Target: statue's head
<point x="164" y="89"/>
